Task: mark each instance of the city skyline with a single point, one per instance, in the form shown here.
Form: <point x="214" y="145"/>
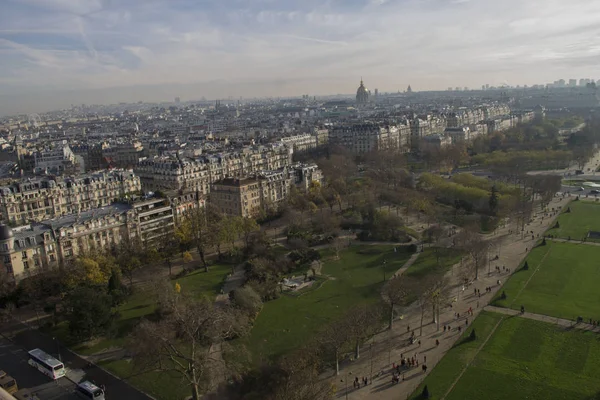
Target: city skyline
<point x="56" y="53"/>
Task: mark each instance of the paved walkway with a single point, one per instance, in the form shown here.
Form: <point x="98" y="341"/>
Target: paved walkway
<point x="406" y="265"/>
<point x="387" y="347"/>
<point x="567" y="323"/>
<point x="574" y="241"/>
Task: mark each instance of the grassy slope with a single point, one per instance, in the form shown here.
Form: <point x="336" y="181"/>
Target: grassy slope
<point x="524" y="359"/>
<point x="450" y="367"/>
<point x="428" y="263"/>
<point x="566" y="284"/>
<point x="290" y="321"/>
<point x="584" y="216"/>
<point x="533" y="360"/>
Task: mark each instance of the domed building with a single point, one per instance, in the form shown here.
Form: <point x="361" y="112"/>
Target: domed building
<point x="362" y="94"/>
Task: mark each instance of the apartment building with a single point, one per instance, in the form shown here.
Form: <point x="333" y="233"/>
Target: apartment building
<point x="154" y="219"/>
<point x="26" y="250"/>
<point x="301" y="143"/>
<point x="58" y="159"/>
<point x="29" y="249"/>
<point x="266" y="190"/>
<point x="49" y="197"/>
<point x="367" y="137"/>
<point x="239" y="197"/>
<point x="180" y="173"/>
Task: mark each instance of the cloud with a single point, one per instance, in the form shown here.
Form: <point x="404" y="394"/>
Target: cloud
<point x="316" y="46"/>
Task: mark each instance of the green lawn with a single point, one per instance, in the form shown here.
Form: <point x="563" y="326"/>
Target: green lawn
<point x="290" y="321"/>
<point x="584" y="217"/>
<point x="524" y="359"/>
<point x="142" y="303"/>
<point x="565" y="285"/>
<point x="427" y="262"/>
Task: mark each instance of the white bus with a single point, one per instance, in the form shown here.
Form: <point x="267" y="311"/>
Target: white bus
<point x="46" y="364"/>
<point x="88" y="390"/>
<point x="4" y="395"/>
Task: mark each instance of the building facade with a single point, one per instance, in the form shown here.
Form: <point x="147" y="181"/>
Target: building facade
<point x="44" y="198"/>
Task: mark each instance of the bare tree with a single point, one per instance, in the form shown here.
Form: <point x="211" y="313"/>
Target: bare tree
<point x="395" y="293"/>
<point x="182" y="340"/>
<point x="471" y="241"/>
<point x="363" y="322"/>
<point x="439" y="292"/>
<point x="337" y="245"/>
<point x="333" y="338"/>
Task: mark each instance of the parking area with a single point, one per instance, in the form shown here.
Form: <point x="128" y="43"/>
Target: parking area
<point x="13" y="360"/>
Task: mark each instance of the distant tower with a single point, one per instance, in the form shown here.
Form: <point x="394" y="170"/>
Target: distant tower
<point x="177" y="100"/>
<point x="362" y="94"/>
<point x="409" y="89"/>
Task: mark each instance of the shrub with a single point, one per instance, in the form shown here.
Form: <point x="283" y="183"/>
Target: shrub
<point x="425" y="393"/>
<point x="526" y="266"/>
<point x="473" y="335"/>
<point x="247" y="300"/>
<point x="503" y="295"/>
<point x="557" y="225"/>
<point x="544" y="241"/>
<point x="411" y="248"/>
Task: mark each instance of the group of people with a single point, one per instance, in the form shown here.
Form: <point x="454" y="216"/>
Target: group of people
<point x="357" y="382"/>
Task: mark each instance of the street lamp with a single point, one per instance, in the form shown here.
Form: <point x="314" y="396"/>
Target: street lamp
<point x="347" y="375"/>
<point x="384" y="263"/>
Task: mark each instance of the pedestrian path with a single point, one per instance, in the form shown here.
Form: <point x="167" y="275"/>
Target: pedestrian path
<point x="388" y="346"/>
<point x="574" y="241"/>
<point x="566" y="323"/>
<point x="406" y="265"/>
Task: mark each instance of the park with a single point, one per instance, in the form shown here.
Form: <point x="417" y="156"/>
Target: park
<point x="523" y="359"/>
<point x="547" y="348"/>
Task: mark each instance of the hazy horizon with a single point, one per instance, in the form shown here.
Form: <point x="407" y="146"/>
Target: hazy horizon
<point x="61" y="52"/>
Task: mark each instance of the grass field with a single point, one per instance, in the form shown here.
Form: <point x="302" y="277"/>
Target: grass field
<point x="290" y="321"/>
<point x="584" y="216"/>
<point x="524" y="359"/>
<point x="427" y="262"/>
<point x="565" y="284"/>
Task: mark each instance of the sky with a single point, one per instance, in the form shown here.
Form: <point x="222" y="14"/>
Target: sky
<point x="54" y="53"/>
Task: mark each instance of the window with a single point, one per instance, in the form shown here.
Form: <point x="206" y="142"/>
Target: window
<point x="24" y="254"/>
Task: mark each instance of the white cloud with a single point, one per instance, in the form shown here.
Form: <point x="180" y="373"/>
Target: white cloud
<point x="317" y="47"/>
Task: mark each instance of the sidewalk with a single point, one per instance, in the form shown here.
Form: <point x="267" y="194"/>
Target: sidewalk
<point x="566" y="323"/>
<point x="387" y="347"/>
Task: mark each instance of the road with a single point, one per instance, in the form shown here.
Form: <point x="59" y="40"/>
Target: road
<point x="13" y="361"/>
<point x="21" y="338"/>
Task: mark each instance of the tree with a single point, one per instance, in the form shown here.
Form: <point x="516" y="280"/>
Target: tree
<point x="471" y="241"/>
<point x="116" y="288"/>
<point x="7" y="284"/>
<point x="395" y="293"/>
<point x="169" y="247"/>
<point x="363" y="322"/>
<point x="493" y="202"/>
<point x="337" y="245"/>
<point x="294" y="377"/>
<point x="247" y="226"/>
<point x="184" y="339"/>
<point x="333" y="338"/>
<point x="246" y="299"/>
<point x="92" y="269"/>
<point x="89" y="312"/>
<point x="198" y="225"/>
<point x="438" y="294"/>
<point x="229" y="230"/>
